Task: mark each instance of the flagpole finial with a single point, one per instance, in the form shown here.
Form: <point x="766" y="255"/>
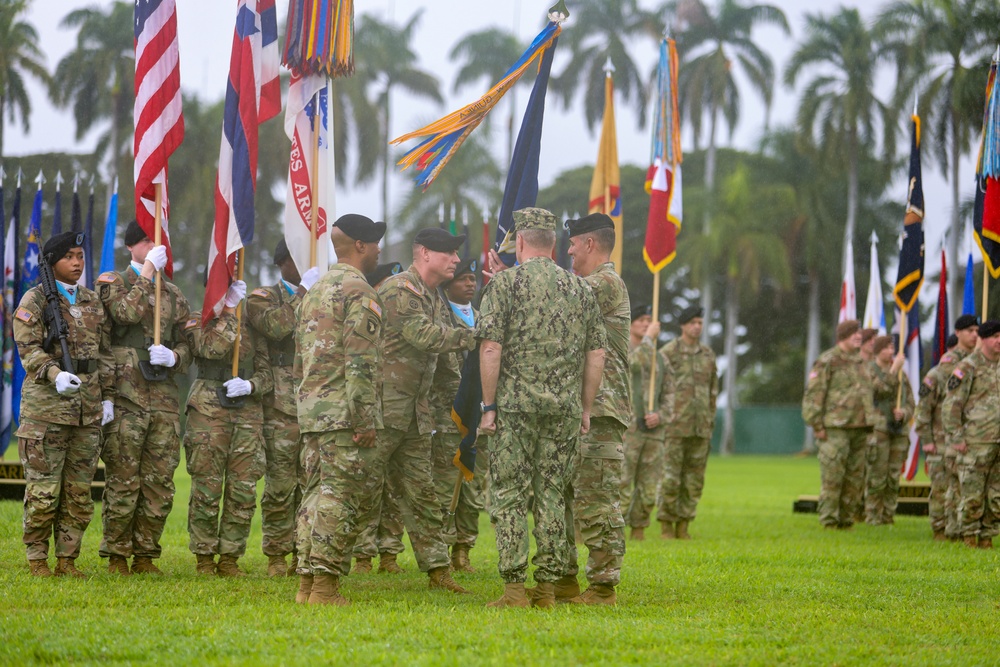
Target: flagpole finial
<point x="609" y="67"/>
<point x="20" y="173"/>
<point x="116" y="185"/>
<point x="40" y="179"/>
<point x="2" y="174"/>
<point x="996" y="54"/>
<point x="91" y="184"/>
<point x="59" y="180"/>
<point x="76" y="181"/>
<point x="558" y="12"/>
<point x="874" y="237"/>
<point x="916" y="103"/>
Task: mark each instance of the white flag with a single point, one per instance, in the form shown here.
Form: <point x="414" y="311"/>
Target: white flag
<point x="875" y="305"/>
<point x="848" y="297"/>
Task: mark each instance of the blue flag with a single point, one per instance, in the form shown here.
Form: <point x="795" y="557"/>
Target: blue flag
<point x="110" y="230"/>
<point x="969" y="296"/>
<point x="29" y="278"/>
<point x="10" y="273"/>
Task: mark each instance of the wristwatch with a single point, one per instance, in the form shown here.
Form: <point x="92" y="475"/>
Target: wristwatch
<point x="483" y="408"/>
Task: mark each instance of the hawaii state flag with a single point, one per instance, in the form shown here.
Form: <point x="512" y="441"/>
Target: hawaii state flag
<point x="605" y="187"/>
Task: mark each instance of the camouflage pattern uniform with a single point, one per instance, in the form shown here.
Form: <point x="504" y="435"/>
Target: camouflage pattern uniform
<point x="945" y="490"/>
<point x="384" y="534"/>
<point x="689" y="434"/>
<point x="838" y="399"/>
<point x="644" y="447"/>
<point x="417" y="329"/>
<point x="142" y="445"/>
<point x="971" y="415"/>
<point x="224" y="448"/>
<point x="338" y="337"/>
<point x="593" y="498"/>
<point x="59" y="438"/>
<point x="887" y="450"/>
<point x="271" y="313"/>
<point x="545" y="320"/>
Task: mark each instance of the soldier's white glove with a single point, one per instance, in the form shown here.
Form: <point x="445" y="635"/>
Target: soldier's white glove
<point x="237" y="387"/>
<point x="157" y="256"/>
<point x="67" y="383"/>
<point x="309" y="278"/>
<point x="236" y="293"/>
<point x="161" y="355"/>
<point x="109" y="412"/>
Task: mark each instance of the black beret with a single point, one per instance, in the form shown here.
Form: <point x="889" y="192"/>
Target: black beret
<point x="689" y="314"/>
<point x="281" y="253"/>
<point x="589" y="223"/>
<point x="360" y="228"/>
<point x="383" y="271"/>
<point x="989" y="328"/>
<point x="438" y="240"/>
<point x="466" y="266"/>
<point x="134" y="234"/>
<point x="641" y="310"/>
<point x="60" y="244"/>
<point x="951" y="342"/>
<point x="966" y="321"/>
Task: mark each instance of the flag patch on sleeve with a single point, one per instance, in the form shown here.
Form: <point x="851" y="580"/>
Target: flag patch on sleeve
<point x="413" y="288"/>
<point x="813" y="375"/>
<point x="108" y="277"/>
<point x="260" y="291"/>
<point x="374" y="307"/>
<point x="23" y="315"/>
<point x="191" y="324"/>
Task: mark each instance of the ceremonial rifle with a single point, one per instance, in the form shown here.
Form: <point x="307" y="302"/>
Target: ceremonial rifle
<point x="57" y="329"/>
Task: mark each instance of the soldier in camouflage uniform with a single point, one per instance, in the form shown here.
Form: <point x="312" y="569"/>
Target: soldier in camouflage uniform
<point x="142" y="445"/>
<point x="941" y="467"/>
<point x="271" y="313"/>
<point x="541" y="359"/>
<point x="224" y="446"/>
<point x="971" y="416"/>
<point x="838" y="405"/>
<point x="689" y="434"/>
<point x="887" y="450"/>
<point x="644" y="439"/>
<point x="62" y="411"/>
<point x="339" y="409"/>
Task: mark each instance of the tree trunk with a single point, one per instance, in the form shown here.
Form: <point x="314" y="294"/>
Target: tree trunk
<point x="957" y="231"/>
<point x="852" y="201"/>
<point x="385" y="154"/>
<point x="726" y="445"/>
<point x="706" y="286"/>
<point x="812" y="347"/>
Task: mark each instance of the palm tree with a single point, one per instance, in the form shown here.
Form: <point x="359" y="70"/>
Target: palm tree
<point x="19" y="55"/>
<point x="943" y="46"/>
<point x="604" y="29"/>
<point x="708" y="44"/>
<point x="385" y="58"/>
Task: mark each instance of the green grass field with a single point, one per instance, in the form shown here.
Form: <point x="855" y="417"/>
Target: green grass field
<point x="757" y="585"/>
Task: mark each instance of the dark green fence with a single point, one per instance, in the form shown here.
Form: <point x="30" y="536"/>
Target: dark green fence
<point x="764" y="430"/>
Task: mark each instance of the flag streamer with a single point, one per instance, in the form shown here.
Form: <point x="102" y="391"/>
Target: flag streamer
<point x="319" y="38"/>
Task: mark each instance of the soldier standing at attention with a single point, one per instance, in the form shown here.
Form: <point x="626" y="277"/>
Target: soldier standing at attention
<point x="541" y="360"/>
<point x="142" y="445"/>
<point x="271" y="313"/>
<point x="945" y="488"/>
<point x="689" y="435"/>
<point x="418" y="329"/>
<point x="62" y="411"/>
<point x="887" y="450"/>
<point x="646" y="434"/>
<point x="339" y="409"/>
<point x="838" y="405"/>
<point x="971" y="416"/>
<point x="223" y="442"/>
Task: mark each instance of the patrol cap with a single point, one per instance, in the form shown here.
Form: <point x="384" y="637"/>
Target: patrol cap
<point x="882" y="342"/>
<point x="846" y="329"/>
<point x="641" y="310"/>
<point x="383" y="271"/>
<point x="438" y="240"/>
<point x="466" y="266"/>
<point x="689" y="314"/>
<point x="989" y="328"/>
<point x="589" y="223"/>
<point x="134" y="234"/>
<point x="281" y="254"/>
<point x="951" y="342"/>
<point x="360" y="227"/>
<point x="60" y="244"/>
<point x="867" y="335"/>
<point x="966" y="322"/>
<point x="534" y="218"/>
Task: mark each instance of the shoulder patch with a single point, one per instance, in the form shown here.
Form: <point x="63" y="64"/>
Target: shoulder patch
<point x="374" y="307"/>
<point x="23" y="314"/>
<point x="413" y="288"/>
<point x="925" y="389"/>
<point x="947" y="359"/>
<point x="929" y="381"/>
<point x="956" y="379"/>
<point x="191" y="324"/>
<point x="107" y="277"/>
<point x="813" y="375"/>
<point x="260" y="291"/>
<point x="959" y="373"/>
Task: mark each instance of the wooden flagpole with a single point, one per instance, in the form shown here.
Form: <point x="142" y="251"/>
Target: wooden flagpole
<point x="986" y="292"/>
<point x="656" y="318"/>
<point x="902" y="347"/>
<point x="239" y="318"/>
<point x="157" y="240"/>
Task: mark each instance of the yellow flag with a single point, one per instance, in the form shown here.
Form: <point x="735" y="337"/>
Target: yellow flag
<point x="605" y="188"/>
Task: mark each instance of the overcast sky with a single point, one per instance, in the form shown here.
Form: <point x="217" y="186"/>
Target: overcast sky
<point x="206" y="27"/>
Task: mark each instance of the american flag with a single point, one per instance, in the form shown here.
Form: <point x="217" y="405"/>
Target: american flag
<point x="159" y="121"/>
<point x="253" y="95"/>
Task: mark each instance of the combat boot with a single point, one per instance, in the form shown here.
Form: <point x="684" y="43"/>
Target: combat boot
<point x="513" y="596"/>
<point x="206" y="564"/>
<point x="971" y="541"/>
<point x="544" y="596"/>
<point x="566" y="588"/>
<point x="597" y="594"/>
<point x="939" y="536"/>
<point x="39" y="567"/>
<point x="363" y="566"/>
<point x="387" y="563"/>
<point x="227" y="567"/>
<point x="985" y="542"/>
<point x="118" y="565"/>
<point x="305" y="588"/>
<point x="682" y="530"/>
<point x="276" y="566"/>
<point x="667" y="530"/>
<point x="66" y="567"/>
<point x="144" y="565"/>
<point x="460" y="559"/>
<point x="638" y="534"/>
<point x="440" y="578"/>
<point x="325" y="590"/>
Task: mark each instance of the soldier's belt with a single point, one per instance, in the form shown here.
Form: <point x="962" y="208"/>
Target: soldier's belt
<point x="134" y="337"/>
<point x="220" y="371"/>
<point x="84" y="366"/>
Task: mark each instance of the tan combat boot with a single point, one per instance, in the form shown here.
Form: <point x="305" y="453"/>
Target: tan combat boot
<point x="985" y="542"/>
<point x="544" y="596"/>
<point x="971" y="541"/>
<point x="276" y="566"/>
<point x="939" y="536"/>
<point x="144" y="565"/>
<point x="118" y="565"/>
<point x="305" y="588"/>
<point x="513" y="596"/>
<point x="39" y="567"/>
<point x="66" y="567"/>
<point x="597" y="594"/>
<point x="325" y="591"/>
<point x="440" y="578"/>
<point x="387" y="563"/>
<point x="667" y="530"/>
<point x="638" y="534"/>
<point x="362" y="566"/>
<point x="206" y="564"/>
<point x="227" y="567"/>
<point x="460" y="559"/>
<point x="682" y="530"/>
<point x="565" y="588"/>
